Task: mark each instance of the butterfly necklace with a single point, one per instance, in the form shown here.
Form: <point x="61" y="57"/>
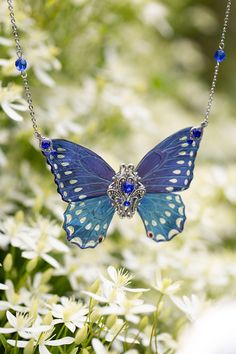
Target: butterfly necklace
<point x="94" y="191"/>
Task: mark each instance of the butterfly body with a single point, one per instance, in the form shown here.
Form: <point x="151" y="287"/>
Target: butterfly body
<point x="95" y="192"/>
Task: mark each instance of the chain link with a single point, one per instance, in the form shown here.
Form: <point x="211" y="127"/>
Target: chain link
<point x="24" y="76"/>
<point x="205" y="122"/>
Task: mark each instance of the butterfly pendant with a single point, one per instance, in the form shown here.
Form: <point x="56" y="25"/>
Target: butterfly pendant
<point x="95" y="191"/>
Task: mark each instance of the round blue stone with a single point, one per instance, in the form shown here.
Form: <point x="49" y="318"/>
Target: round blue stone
<point x="21" y="64"/>
<point x="45" y="144"/>
<point x="220" y="56"/>
<point x="127" y="187"/>
<point x="126" y="203"/>
<point x="196" y="133"/>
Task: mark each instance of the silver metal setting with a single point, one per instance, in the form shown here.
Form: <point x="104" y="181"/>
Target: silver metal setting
<point x="126" y="203"/>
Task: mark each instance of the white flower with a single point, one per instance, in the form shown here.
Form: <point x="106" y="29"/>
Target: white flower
<point x="11" y="101"/>
<point x="191" y="306"/>
<point x="165" y="285"/>
<point x="14" y="299"/>
<point x="70" y="312"/>
<point x="99" y="348"/>
<point x="113" y="290"/>
<point x="41" y="239"/>
<point x="23" y="324"/>
<point x="129" y="308"/>
<point x="42" y="340"/>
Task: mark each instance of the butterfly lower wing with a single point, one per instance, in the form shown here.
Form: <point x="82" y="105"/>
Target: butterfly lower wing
<point x="86" y="222"/>
<point x="79" y="173"/>
<point x="169" y="166"/>
<point x="163" y="215"/>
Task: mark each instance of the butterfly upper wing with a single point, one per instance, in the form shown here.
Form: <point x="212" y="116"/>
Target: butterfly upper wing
<point x="86" y="222"/>
<point x="169" y="166"/>
<point x="163" y="215"/>
<point x="79" y="172"/>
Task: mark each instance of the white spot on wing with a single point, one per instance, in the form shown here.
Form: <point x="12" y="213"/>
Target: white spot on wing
<point x="105" y="226"/>
<point x="173" y="180"/>
<point x="65" y="164"/>
<point x="172" y="233"/>
<point x="154" y="223"/>
<point x="73" y="181"/>
<point x="78" y="189"/>
<point x="88" y="226"/>
<point x="68" y="172"/>
<point x="172" y="205"/>
<point x="177" y="172"/>
<point x="97" y="227"/>
<point x="82" y="220"/>
<point x="180" y="162"/>
<point x="178" y="222"/>
<point x="183" y="138"/>
<point x="169" y="189"/>
<point x="168" y="213"/>
<point x="71" y="230"/>
<point x="68" y="218"/>
<point x="60" y="149"/>
<point x="181" y="210"/>
<point x="162" y="221"/>
<point x="82" y="196"/>
<point x="60" y="156"/>
<point x="78" y="212"/>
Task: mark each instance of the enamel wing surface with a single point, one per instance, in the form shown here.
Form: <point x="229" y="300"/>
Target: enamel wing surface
<point x="94" y="191"/>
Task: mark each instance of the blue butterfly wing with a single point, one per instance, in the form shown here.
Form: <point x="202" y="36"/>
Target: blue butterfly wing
<point x="169" y="166"/>
<point x="86" y="222"/>
<point x="163" y="215"/>
<point x="79" y="173"/>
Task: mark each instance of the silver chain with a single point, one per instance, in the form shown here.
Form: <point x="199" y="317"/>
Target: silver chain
<point x="205" y="122"/>
<point x="28" y="94"/>
<point x="24" y="76"/>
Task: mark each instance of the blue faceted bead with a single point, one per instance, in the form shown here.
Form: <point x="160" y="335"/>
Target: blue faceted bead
<point x="46" y="144"/>
<point x="126" y="203"/>
<point x="21" y="64"/>
<point x="127" y="187"/>
<point x="196" y="133"/>
<point x="220" y="56"/>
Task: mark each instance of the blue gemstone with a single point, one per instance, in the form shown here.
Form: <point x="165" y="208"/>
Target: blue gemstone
<point x="196" y="133"/>
<point x="127" y="187"/>
<point x="126" y="203"/>
<point x="46" y="144"/>
<point x="21" y="64"/>
<point x="220" y="56"/>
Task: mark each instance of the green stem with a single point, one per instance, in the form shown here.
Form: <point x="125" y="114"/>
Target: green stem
<point x="154" y="326"/>
<point x="121" y="328"/>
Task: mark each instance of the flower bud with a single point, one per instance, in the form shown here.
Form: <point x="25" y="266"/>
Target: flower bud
<point x="84" y="351"/>
<point x="8" y="262"/>
<point x="143" y="323"/>
<point x="31" y="265"/>
<point x="29" y="348"/>
<point x="111" y="320"/>
<point x="95" y="315"/>
<point x="47" y="320"/>
<point x="81" y="334"/>
<point x="95" y="286"/>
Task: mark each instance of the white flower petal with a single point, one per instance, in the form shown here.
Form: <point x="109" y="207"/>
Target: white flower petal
<point x="98" y="346"/>
<point x="20" y="343"/>
<point x="11" y="319"/>
<point x="49" y="259"/>
<point x="10" y="112"/>
<point x="43" y="350"/>
<point x="62" y="341"/>
<point x="71" y="326"/>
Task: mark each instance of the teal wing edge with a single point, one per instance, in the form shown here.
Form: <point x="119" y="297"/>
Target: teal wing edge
<point x="86" y="222"/>
<point x="163" y="215"/>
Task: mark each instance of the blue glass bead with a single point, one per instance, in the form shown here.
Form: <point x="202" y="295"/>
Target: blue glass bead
<point x="126" y="203"/>
<point x="21" y="64"/>
<point x="46" y="144"/>
<point x="220" y="56"/>
<point x="196" y="133"/>
<point x="127" y="187"/>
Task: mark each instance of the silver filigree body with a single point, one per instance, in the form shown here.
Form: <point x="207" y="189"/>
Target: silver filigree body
<point x="126" y="191"/>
